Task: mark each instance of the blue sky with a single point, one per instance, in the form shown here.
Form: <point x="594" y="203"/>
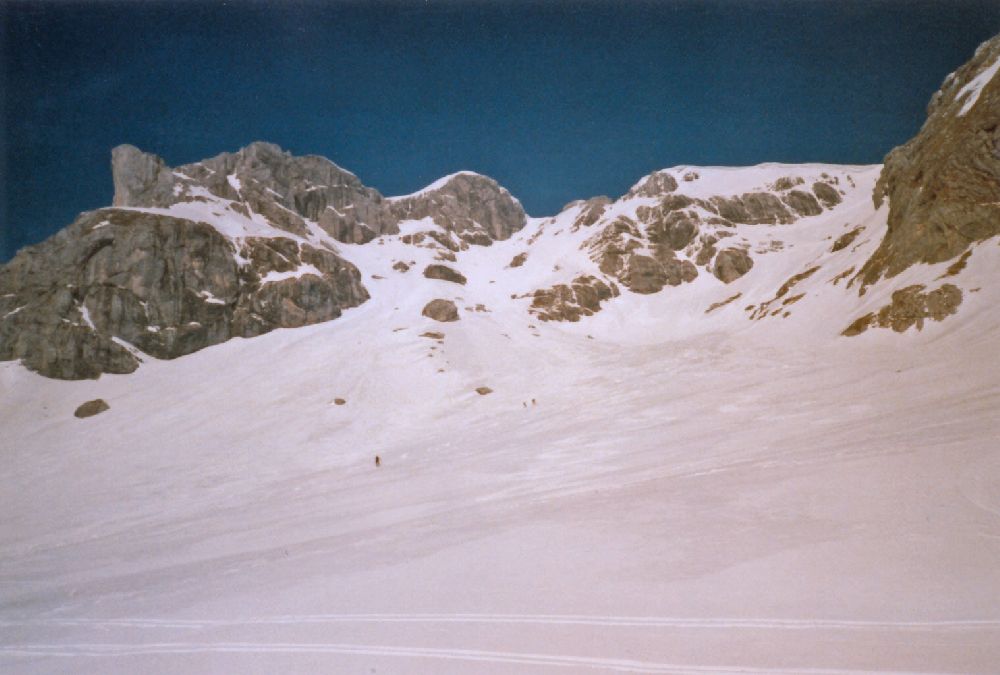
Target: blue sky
<point x="556" y="100"/>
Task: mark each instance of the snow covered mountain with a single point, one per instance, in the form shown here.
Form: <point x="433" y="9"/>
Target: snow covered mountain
<point x="735" y="420"/>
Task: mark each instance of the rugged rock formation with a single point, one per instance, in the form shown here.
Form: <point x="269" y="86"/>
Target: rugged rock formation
<point x="753" y="208"/>
<point x="731" y="264"/>
<point x="441" y="310"/>
<point x="909" y="307"/>
<point x="591" y="212"/>
<point x="943" y="186"/>
<point x="654" y="185"/>
<point x="114" y="281"/>
<point x="562" y="302"/>
<point x="803" y="203"/>
<point x="444" y="273"/>
<point x="235" y="245"/>
<point x="846" y="239"/>
<point x="826" y="194"/>
<point x="475" y="207"/>
<point x="265" y="180"/>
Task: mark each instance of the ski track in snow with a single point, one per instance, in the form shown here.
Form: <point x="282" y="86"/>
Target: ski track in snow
<point x="471" y="655"/>
<point x="532" y="619"/>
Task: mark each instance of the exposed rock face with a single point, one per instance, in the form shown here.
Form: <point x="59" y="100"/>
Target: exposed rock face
<point x="266" y="180"/>
<point x="518" y="260"/>
<point x="167" y="286"/>
<point x="943" y="186"/>
<point x="140" y="179"/>
<point x="731" y="264"/>
<point x="787" y="183"/>
<point x="91" y="408"/>
<point x="235" y="245"/>
<point x="826" y="194"/>
<point x="846" y="239"/>
<point x="444" y="273"/>
<point x="654" y="185"/>
<point x="909" y="307"/>
<point x="591" y="212"/>
<point x="753" y="208"/>
<point x="477" y="208"/>
<point x="441" y="310"/>
<point x="645" y="274"/>
<point x="564" y="302"/>
<point x="803" y="203"/>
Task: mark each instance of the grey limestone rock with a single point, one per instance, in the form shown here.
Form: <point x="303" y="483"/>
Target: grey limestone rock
<point x="943" y="186"/>
<point x="117" y="282"/>
<point x="467" y="204"/>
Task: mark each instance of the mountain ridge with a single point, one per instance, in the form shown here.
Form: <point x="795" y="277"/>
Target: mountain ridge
<point x="243" y="243"/>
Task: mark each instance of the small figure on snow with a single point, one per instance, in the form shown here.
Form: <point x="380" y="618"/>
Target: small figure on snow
<point x="378" y="461"/>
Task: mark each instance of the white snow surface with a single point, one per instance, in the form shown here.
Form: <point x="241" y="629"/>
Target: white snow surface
<point x="971" y="91"/>
<point x="299" y="271"/>
<point x="653" y="489"/>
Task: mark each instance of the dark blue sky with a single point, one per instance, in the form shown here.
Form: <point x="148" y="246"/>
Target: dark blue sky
<point x="557" y="101"/>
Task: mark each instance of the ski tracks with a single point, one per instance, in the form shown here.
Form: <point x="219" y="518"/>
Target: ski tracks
<point x="609" y="664"/>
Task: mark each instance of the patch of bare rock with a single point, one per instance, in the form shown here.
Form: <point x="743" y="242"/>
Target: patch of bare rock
<point x="444" y="273"/>
<point x="441" y="310"/>
<point x="909" y="307"/>
<point x="91" y="408"/>
<point x="943" y="186"/>
<point x="570" y="302"/>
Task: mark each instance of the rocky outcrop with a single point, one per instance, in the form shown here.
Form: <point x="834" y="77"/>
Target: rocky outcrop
<point x="909" y="307"/>
<point x="645" y="274"/>
<point x="231" y="246"/>
<point x="803" y="203"/>
<point x="91" y="408"/>
<point x="943" y="186"/>
<point x="654" y="185"/>
<point x="475" y="207"/>
<point x="591" y="212"/>
<point x="444" y="273"/>
<point x="826" y="194"/>
<point x="731" y="264"/>
<point x="562" y="302"/>
<point x="264" y="180"/>
<point x="118" y="282"/>
<point x="753" y="208"/>
<point x="518" y="260"/>
<point x="441" y="310"/>
<point x="846" y="239"/>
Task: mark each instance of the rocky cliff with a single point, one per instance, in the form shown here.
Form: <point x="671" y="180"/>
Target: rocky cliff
<point x="943" y="186"/>
<point x="232" y="246"/>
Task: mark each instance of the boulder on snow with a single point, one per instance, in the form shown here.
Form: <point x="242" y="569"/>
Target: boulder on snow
<point x="731" y="264"/>
<point x="444" y="273"/>
<point x="441" y="310"/>
<point x="91" y="408"/>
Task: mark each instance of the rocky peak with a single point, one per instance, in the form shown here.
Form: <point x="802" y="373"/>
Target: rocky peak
<point x="140" y="178"/>
<point x="474" y="206"/>
<point x="656" y="184"/>
<point x="943" y="186"/>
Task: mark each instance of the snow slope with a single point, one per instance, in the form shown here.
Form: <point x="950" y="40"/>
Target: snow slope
<point x="652" y="489"/>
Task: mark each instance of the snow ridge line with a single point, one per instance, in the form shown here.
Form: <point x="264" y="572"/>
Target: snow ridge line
<point x="518" y="658"/>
